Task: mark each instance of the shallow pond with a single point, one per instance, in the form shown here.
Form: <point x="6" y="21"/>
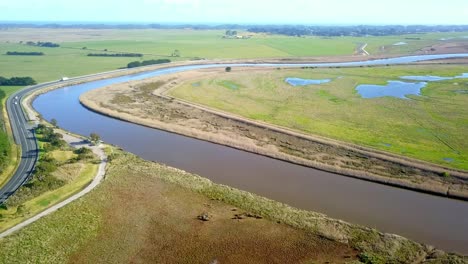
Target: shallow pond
<point x="430" y="78"/>
<point x="304" y="82"/>
<point x="400" y="43"/>
<point x="396" y="89"/>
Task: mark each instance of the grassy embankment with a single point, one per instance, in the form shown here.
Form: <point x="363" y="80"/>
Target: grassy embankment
<point x="430" y="127"/>
<point x="60" y="173"/>
<point x="70" y="59"/>
<point x="9" y="150"/>
<point x="142" y="212"/>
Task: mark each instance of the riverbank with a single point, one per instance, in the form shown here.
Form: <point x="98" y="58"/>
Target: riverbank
<point x="144" y="102"/>
<point x="146" y="208"/>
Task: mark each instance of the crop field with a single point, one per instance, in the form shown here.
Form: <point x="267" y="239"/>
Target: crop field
<point x="430" y="127"/>
<point x="70" y="58"/>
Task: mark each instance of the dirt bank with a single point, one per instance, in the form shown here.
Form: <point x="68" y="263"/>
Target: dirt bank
<point x="445" y="48"/>
<point x="144" y="102"/>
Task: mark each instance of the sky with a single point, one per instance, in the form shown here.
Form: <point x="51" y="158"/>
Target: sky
<point x="331" y="12"/>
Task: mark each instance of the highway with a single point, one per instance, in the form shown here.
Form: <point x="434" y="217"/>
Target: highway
<point x="24" y="136"/>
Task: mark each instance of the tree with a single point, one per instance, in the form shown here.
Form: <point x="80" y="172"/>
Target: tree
<point x="175" y="53"/>
<point x="94" y="137"/>
<point x="228" y="69"/>
<point x="53" y="122"/>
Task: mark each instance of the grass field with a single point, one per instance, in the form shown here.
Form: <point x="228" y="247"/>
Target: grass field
<point x="142" y="212"/>
<point x="71" y="60"/>
<point x="430" y="127"/>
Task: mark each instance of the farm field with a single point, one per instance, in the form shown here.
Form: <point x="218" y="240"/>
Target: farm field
<point x="430" y="127"/>
<point x="71" y="59"/>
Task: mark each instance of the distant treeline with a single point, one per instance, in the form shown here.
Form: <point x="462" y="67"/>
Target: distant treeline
<point x="115" y="55"/>
<point x="16" y="81"/>
<point x="43" y="44"/>
<point x="122" y="26"/>
<point x="24" y="53"/>
<point x="134" y="64"/>
<point x="358" y="31"/>
<point x="290" y="30"/>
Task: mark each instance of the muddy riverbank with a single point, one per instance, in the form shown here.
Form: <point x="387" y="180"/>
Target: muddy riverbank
<point x="145" y="102"/>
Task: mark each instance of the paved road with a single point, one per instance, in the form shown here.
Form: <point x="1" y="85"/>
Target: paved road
<point x="24" y="136"/>
<point x="23" y="133"/>
<point x="77" y="143"/>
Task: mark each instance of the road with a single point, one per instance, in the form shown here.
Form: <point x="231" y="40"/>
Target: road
<point x="24" y="136"/>
<point x="77" y="143"/>
<point x="362" y="49"/>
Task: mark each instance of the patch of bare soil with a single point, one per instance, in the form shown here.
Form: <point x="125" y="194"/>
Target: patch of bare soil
<point x="144" y="102"/>
<point x="446" y="48"/>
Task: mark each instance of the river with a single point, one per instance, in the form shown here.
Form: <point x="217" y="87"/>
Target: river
<point x="438" y="221"/>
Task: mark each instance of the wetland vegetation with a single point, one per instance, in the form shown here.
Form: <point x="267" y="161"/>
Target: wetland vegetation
<point x="146" y="209"/>
<point x="429" y="127"/>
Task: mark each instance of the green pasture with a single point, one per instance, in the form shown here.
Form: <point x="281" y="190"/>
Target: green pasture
<point x="430" y="127"/>
<point x="70" y="59"/>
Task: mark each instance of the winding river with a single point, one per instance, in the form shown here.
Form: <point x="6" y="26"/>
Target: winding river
<point x="429" y="219"/>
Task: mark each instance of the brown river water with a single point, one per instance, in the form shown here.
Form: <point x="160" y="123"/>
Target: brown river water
<point x="433" y="220"/>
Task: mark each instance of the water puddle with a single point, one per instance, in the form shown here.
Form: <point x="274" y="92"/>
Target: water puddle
<point x="396" y="89"/>
<point x="461" y="91"/>
<point x="448" y="159"/>
<point x="229" y="85"/>
<point x="430" y="78"/>
<point x="400" y="43"/>
<point x="197" y="84"/>
<point x="427" y="78"/>
<point x="305" y="82"/>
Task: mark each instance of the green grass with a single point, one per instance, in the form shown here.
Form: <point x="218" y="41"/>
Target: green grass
<point x="12" y="216"/>
<point x="71" y="60"/>
<point x="70" y="177"/>
<point x="430" y="127"/>
<point x="10" y="89"/>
